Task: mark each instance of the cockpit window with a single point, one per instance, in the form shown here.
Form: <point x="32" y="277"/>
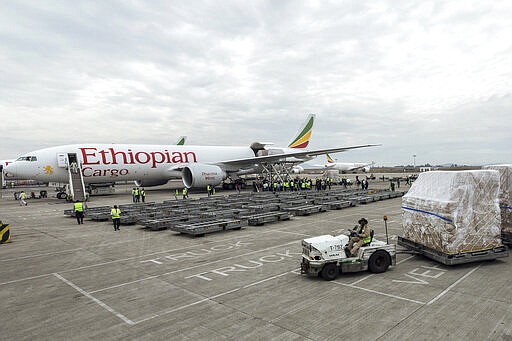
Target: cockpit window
<point x="27" y="158"/>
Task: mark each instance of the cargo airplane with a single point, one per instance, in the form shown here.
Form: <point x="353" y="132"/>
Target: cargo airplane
<point x="153" y="165"/>
<point x="333" y="165"/>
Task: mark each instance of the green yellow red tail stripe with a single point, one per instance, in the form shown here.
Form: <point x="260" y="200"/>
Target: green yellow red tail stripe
<point x="302" y="139"/>
<point x="329" y="158"/>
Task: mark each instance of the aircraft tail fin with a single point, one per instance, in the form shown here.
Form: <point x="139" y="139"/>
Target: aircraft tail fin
<point x="301" y="140"/>
<point x="329" y="159"/>
<point x="181" y="140"/>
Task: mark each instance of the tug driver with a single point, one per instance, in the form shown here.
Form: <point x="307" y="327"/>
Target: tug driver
<point x="360" y="235"/>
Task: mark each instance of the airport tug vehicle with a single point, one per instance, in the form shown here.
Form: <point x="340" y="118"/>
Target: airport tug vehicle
<point x="326" y="256"/>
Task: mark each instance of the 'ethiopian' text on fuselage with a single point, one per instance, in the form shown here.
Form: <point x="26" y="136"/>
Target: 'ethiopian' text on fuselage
<point x="93" y="156"/>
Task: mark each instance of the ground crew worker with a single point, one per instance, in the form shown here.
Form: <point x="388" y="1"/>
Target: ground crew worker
<point x="143" y="195"/>
<point x="115" y="213"/>
<point x="79" y="212"/>
<point x="184" y="192"/>
<point x="361" y="236"/>
<point x="133" y="194"/>
<point x="137" y="194"/>
<point x="22" y="197"/>
<point x="209" y="190"/>
<point x="74" y="167"/>
<point x="176" y="193"/>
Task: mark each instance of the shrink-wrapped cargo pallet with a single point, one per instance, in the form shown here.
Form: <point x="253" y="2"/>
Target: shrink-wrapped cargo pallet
<point x="453" y="212"/>
<point x="505" y="195"/>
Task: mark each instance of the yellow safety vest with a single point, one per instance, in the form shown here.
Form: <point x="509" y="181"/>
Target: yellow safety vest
<point x="184" y="191"/>
<point x="115" y="213"/>
<point x="79" y="207"/>
<point x="23" y="195"/>
<point x="366" y="240"/>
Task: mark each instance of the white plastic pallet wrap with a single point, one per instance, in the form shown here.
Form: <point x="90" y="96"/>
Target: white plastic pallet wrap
<point x="453" y="212"/>
<point x="505" y="195"/>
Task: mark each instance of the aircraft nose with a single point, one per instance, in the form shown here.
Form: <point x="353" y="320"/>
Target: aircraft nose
<point x="10" y="169"/>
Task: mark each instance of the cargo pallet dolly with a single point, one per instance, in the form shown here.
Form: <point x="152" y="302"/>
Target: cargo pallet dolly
<point x="506" y="237"/>
<point x="457" y="258"/>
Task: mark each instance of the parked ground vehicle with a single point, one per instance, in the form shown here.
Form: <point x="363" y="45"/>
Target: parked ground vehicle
<point x="325" y="256"/>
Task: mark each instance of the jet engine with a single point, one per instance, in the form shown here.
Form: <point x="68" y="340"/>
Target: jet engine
<point x="297" y="169"/>
<point x="201" y="175"/>
<point x="150" y="183"/>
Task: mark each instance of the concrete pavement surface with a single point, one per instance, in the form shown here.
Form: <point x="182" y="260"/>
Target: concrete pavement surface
<point x="64" y="281"/>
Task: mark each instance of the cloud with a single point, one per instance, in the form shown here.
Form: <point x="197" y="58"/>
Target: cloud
<point x="426" y="78"/>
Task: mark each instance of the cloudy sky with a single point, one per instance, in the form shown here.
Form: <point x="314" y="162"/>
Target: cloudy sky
<point x="425" y="78"/>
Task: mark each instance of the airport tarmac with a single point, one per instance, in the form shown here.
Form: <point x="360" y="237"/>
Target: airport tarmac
<point x="63" y="281"/>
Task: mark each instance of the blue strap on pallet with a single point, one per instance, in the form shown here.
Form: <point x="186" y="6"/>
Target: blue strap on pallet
<point x="426" y="212"/>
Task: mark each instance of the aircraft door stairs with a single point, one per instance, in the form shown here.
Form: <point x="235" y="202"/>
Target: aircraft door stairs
<point x="3" y="184"/>
<point x="76" y="180"/>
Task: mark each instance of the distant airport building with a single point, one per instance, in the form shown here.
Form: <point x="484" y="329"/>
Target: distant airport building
<point x="427" y="169"/>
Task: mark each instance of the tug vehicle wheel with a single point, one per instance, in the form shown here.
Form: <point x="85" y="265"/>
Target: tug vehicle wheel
<point x="330" y="272"/>
<point x="379" y="261"/>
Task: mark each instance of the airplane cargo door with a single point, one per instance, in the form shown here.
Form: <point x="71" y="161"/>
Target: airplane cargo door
<point x="61" y="160"/>
<point x="72" y="158"/>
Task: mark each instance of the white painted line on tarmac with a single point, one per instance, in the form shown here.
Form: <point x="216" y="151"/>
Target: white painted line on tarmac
<point x="267" y="279"/>
<point x="212" y="297"/>
<point x="123" y="284"/>
<point x="362" y="279"/>
<point x="25" y="279"/>
<point x="295" y="233"/>
<point x="193" y="267"/>
<point x="100" y="303"/>
<point x="155" y="253"/>
<point x="366" y="277"/>
<point x="404" y="260"/>
<point x="159" y="252"/>
<point x="186" y="306"/>
<point x="70" y="250"/>
<point x="451" y="286"/>
<point x="379" y="293"/>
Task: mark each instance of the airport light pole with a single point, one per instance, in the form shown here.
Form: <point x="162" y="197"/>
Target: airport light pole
<point x="414" y="161"/>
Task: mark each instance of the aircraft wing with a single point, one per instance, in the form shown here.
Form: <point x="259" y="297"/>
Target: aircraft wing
<point x="281" y="158"/>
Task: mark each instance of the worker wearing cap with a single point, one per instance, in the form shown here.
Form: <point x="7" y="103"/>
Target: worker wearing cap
<point x="361" y="236"/>
<point x="115" y="213"/>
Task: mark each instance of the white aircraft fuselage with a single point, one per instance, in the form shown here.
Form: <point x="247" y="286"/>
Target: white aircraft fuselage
<point x="153" y="165"/>
<point x="348" y="166"/>
<point x="122" y="162"/>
